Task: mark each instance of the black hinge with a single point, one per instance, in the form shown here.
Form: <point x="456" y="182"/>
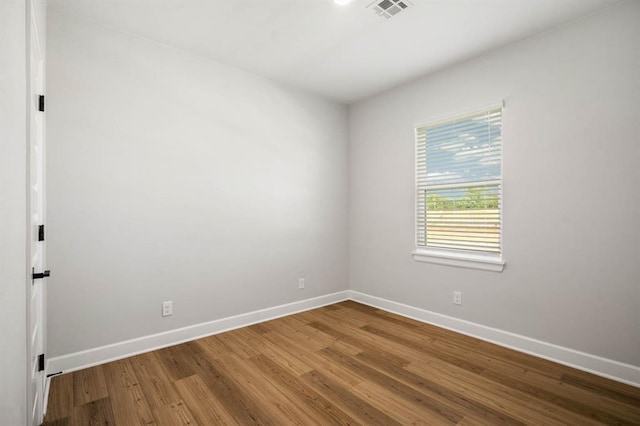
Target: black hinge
<point x="41" y="103"/>
<point x="40" y="275"/>
<point x="41" y="233"/>
<point x="41" y="362"/>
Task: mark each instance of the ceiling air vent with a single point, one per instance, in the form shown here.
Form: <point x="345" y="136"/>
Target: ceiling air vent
<point x="389" y="8"/>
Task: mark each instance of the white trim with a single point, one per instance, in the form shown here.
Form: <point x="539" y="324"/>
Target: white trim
<point x="604" y="367"/>
<point x="443" y="118"/>
<point x="462" y="260"/>
<point x="437" y="256"/>
<point x="103" y="354"/>
<point x="615" y="370"/>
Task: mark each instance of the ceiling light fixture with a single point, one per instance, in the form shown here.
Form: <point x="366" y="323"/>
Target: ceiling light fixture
<point x="341" y="2"/>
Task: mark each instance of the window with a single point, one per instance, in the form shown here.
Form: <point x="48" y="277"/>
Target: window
<point x="459" y="191"/>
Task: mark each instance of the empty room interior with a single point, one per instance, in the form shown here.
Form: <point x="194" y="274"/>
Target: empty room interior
<point x="319" y="212"/>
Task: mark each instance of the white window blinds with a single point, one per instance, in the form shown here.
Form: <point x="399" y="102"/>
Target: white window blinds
<point x="459" y="184"/>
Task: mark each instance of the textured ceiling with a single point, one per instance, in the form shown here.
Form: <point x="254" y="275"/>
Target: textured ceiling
<point x="345" y="53"/>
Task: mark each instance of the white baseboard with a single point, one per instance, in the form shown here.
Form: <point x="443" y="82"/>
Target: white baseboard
<point x="611" y="369"/>
<point x="604" y="367"/>
<point x="103" y="354"/>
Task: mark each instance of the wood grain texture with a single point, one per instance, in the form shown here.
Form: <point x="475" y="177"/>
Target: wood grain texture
<point x="346" y="364"/>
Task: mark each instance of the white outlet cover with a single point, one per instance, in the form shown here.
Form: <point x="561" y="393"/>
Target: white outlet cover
<point x="167" y="308"/>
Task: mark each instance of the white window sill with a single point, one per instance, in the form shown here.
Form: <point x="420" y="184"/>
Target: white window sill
<point x="461" y="260"/>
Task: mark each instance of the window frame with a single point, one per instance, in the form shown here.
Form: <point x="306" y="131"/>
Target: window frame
<point x="451" y="257"/>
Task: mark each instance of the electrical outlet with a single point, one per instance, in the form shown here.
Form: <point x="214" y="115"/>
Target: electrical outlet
<point x="167" y="308"/>
<point x="300" y="283"/>
<point x="457" y="297"/>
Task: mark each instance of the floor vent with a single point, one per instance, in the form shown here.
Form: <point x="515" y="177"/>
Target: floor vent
<point x="389" y="8"/>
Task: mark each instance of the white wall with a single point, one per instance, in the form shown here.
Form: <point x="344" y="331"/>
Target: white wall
<point x="13" y="213"/>
<point x="571" y="203"/>
<point x="171" y="177"/>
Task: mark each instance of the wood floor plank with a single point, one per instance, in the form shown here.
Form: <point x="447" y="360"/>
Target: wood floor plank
<point x="213" y="347"/>
<point x="445" y="395"/>
<point x="396" y="319"/>
<point x="329" y="368"/>
<point x="311" y="358"/>
<point x="352" y="319"/>
<point x="497" y="371"/>
<point x="430" y="406"/>
<point x="426" y="347"/>
<point x="350" y="304"/>
<point x="516" y="404"/>
<point x="292" y="334"/>
<point x="583" y="409"/>
<point x="294" y="364"/>
<point x="238" y="345"/>
<point x="167" y="407"/>
<point x="358" y="338"/>
<point x="293" y="322"/>
<point x="128" y="401"/>
<point x="257" y="328"/>
<point x="89" y="385"/>
<point x="347" y="364"/>
<point x="293" y="348"/>
<point x="478" y="349"/>
<point x="174" y="413"/>
<point x="498" y="368"/>
<point x="61" y="397"/>
<point x="345" y="347"/>
<point x="472" y="421"/>
<point x="316" y="335"/>
<point x="279" y="408"/>
<point x="616" y="391"/>
<point x="333" y="307"/>
<point x="324" y="410"/>
<point x="156" y="385"/>
<point x="175" y="359"/>
<point x="230" y="395"/>
<point x="94" y="413"/>
<point x="205" y="407"/>
<point x="401" y="409"/>
<point x="628" y="412"/>
<point x="346" y="401"/>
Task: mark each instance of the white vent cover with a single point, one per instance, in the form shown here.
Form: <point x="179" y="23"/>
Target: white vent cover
<point x="389" y="8"/>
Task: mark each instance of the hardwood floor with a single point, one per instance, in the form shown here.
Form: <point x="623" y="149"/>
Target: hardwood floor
<point x="341" y="364"/>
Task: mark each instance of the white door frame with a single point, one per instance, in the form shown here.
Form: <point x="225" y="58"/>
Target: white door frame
<point x="36" y="258"/>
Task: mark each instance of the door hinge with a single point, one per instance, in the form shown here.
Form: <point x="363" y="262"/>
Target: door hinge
<point x="41" y="233"/>
<point x="40" y="275"/>
<point x="41" y="362"/>
<point x="41" y="103"/>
